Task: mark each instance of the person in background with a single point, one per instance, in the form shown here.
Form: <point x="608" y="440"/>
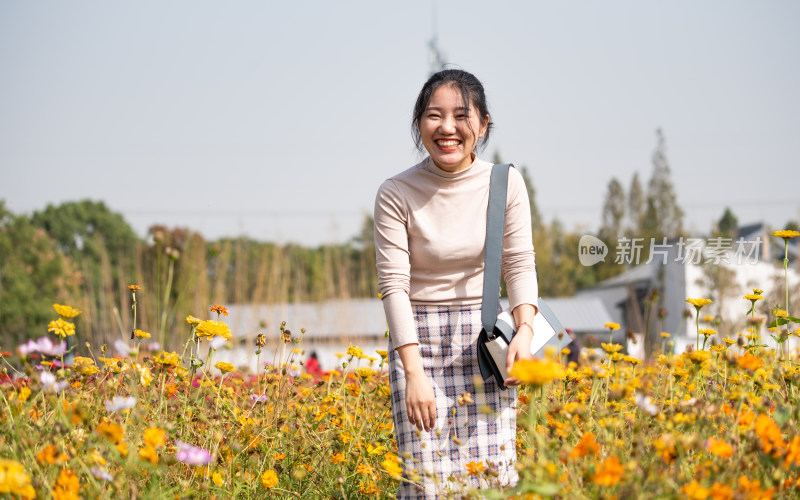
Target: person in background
<point x="312" y="366"/>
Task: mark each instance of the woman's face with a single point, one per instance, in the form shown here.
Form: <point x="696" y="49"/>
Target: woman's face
<point x="449" y="131"/>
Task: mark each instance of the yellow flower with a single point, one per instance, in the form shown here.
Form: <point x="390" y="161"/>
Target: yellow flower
<point x="787" y="234"/>
<point x="608" y="472"/>
<point x="269" y="478"/>
<point x="84" y="366"/>
<point x="109" y="430"/>
<point x="142" y="334"/>
<point x="355" y="351"/>
<point x="193" y="321"/>
<point x="665" y="335"/>
<point x="729" y="341"/>
<point x="66" y="312"/>
<point x="154" y="437"/>
<point x="148" y="454"/>
<point x="698" y="303"/>
<point x="779" y="313"/>
<point x="217" y="479"/>
<point x="167" y="358"/>
<point x="337" y="458"/>
<point x="753" y="296"/>
<point x="383" y="354"/>
<point x="758" y="291"/>
<point x="698" y="357"/>
<point x="61" y="328"/>
<point x="224" y="367"/>
<point x="145" y="377"/>
<point x="365" y="373"/>
<point x="707" y="332"/>
<point x="393" y="468"/>
<point x="211" y="328"/>
<point x="475" y="468"/>
<point x="535" y="372"/>
<point x="611" y="348"/>
<point x="612" y="326"/>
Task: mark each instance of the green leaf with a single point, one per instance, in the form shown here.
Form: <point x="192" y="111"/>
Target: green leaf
<point x="544" y="489"/>
<point x="777" y="322"/>
<point x="793" y="319"/>
<point x="781" y="415"/>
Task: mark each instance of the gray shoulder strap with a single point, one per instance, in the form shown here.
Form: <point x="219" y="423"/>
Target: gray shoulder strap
<point x="495" y="227"/>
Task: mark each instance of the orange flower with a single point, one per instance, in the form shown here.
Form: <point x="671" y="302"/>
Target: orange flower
<point x="753" y="489"/>
<point x="269" y="478"/>
<point x="721" y="492"/>
<point x="608" y="472"/>
<point x="50" y="455"/>
<point x="67" y="486"/>
<point x="278" y="456"/>
<point x="586" y="446"/>
<point x="719" y="448"/>
<point x="770" y="434"/>
<point x="111" y="431"/>
<point x="792" y="453"/>
<point x="694" y="491"/>
<point x="337" y="458"/>
<point x="475" y="468"/>
<point x="133" y="288"/>
<point x="365" y="469"/>
<point x="220" y="310"/>
<point x="749" y="362"/>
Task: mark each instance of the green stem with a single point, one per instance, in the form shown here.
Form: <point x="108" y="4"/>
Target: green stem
<point x="162" y="334"/>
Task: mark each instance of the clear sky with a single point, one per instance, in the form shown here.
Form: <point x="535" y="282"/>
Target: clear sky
<point x="280" y="120"/>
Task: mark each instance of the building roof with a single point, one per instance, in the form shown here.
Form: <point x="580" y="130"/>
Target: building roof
<point x="580" y="314"/>
<point x="332" y="318"/>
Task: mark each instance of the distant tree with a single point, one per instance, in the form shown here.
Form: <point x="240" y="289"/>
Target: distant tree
<point x="792" y="225"/>
<point x="613" y="208"/>
<point x="636" y="206"/>
<point x="727" y="224"/>
<point x="102" y="246"/>
<point x="34" y="274"/>
<point x="663" y="216"/>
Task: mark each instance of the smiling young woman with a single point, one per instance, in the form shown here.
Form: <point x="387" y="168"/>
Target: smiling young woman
<point x="430" y="230"/>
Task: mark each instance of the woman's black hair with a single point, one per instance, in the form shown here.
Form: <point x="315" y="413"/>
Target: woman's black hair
<point x="471" y="91"/>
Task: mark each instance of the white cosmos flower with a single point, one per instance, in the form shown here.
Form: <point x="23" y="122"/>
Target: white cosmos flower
<point x="122" y="347"/>
<point x="49" y="383"/>
<point x="645" y="404"/>
<point x="119" y="403"/>
<point x="216" y="342"/>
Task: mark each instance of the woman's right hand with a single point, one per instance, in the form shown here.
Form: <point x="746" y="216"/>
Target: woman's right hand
<point x="420" y="401"/>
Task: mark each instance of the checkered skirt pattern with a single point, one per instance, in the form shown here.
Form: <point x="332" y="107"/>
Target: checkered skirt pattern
<point x="480" y="431"/>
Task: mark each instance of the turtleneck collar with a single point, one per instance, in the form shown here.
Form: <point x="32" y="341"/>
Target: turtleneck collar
<point x="431" y="167"/>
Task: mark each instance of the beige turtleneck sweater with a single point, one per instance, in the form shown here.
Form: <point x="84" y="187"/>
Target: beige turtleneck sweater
<point x="430" y="231"/>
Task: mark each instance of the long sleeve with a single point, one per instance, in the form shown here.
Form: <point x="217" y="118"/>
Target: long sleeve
<point x="519" y="269"/>
<point x="393" y="262"/>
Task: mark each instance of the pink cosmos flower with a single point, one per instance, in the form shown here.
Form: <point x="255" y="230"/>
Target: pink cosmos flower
<point x="43" y="345"/>
<point x="192" y="455"/>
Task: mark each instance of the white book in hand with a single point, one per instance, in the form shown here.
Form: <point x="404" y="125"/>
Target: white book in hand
<point x="546" y="326"/>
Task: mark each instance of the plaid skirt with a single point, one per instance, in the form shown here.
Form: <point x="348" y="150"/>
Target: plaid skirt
<point x="475" y="420"/>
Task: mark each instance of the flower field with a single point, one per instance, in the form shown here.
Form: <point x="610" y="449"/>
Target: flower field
<point x="719" y="421"/>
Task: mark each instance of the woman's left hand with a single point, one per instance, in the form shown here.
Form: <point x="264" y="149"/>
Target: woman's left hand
<point x="520" y="348"/>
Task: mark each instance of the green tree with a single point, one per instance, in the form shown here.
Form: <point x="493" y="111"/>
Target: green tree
<point x="636" y="206"/>
<point x="102" y="245"/>
<point x="663" y="216"/>
<point x="33" y="275"/>
<point x="727" y="224"/>
<point x="611" y="229"/>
